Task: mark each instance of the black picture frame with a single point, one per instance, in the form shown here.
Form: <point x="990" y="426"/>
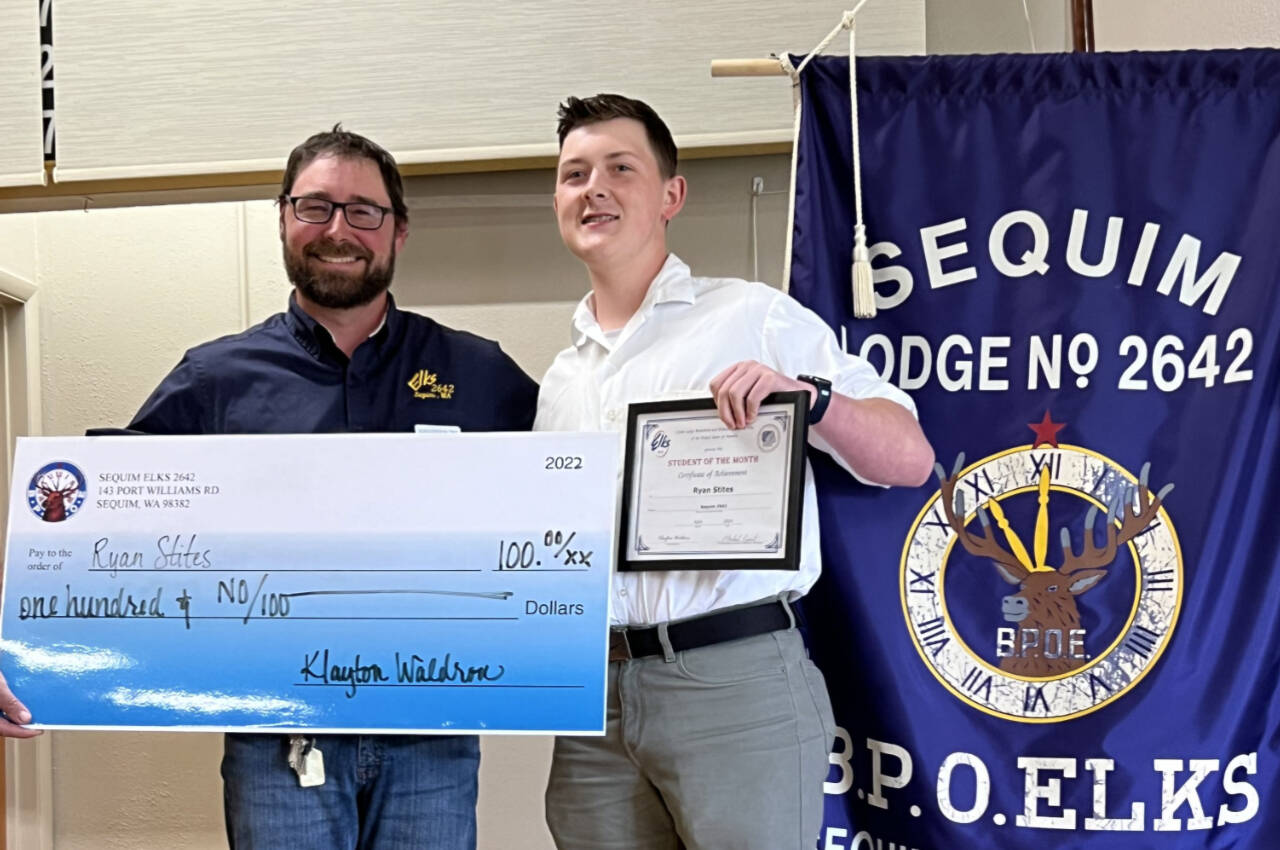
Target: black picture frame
<point x="789" y="550"/>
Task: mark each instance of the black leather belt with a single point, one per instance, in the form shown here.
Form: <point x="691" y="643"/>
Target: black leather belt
<point x="716" y="627"/>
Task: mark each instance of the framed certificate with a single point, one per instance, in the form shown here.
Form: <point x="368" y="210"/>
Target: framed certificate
<point x="698" y="495"/>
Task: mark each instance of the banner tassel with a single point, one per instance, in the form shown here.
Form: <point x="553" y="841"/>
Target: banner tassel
<point x="864" y="294"/>
<point x="864" y="300"/>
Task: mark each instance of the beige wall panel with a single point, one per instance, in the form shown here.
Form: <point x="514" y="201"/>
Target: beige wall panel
<point x="21" y="122"/>
<point x="993" y="26"/>
<point x="493" y="239"/>
<point x="501" y="253"/>
<point x="998" y="26"/>
<point x="18" y="245"/>
<point x="713" y="234"/>
<point x="532" y="333"/>
<point x="513" y="775"/>
<point x="442" y="81"/>
<point x="125" y="292"/>
<point x="137" y="791"/>
<point x="1185" y="24"/>
<point x="267" y="285"/>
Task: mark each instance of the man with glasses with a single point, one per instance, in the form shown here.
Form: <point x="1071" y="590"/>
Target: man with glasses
<point x="341" y="359"/>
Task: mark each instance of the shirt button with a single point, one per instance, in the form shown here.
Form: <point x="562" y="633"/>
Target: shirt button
<point x="622" y="592"/>
<point x="612" y="415"/>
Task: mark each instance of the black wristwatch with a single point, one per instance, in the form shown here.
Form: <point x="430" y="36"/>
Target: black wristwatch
<point x="823" y="386"/>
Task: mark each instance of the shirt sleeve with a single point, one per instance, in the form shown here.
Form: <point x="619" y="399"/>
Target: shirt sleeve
<point x="178" y="405"/>
<point x="801" y="343"/>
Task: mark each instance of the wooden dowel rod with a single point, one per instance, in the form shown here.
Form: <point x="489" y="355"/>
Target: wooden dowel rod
<point x="1082" y="26"/>
<point x="746" y="68"/>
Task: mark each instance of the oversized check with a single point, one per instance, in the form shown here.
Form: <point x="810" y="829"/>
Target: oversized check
<point x="391" y="582"/>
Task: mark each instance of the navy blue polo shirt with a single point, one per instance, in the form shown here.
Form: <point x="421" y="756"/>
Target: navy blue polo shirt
<point x="286" y="376"/>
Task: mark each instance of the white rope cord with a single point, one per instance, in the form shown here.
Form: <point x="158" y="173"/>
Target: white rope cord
<point x="863" y="293"/>
<point x="853" y="129"/>
<point x="785" y="61"/>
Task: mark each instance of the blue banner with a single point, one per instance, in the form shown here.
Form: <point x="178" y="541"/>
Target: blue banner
<point x="1076" y="263"/>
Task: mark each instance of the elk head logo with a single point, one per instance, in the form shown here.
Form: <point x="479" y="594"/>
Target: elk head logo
<point x="1046" y="639"/>
<point x="1037" y="669"/>
<point x="55" y="502"/>
<point x="56" y="491"/>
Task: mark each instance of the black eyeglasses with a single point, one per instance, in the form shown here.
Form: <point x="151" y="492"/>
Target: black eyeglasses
<point x="360" y="215"/>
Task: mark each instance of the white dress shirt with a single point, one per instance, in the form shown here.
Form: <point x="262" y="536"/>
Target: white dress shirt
<point x="686" y="331"/>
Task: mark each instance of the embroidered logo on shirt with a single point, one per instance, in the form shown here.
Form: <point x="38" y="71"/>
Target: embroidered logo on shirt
<point x="426" y="384"/>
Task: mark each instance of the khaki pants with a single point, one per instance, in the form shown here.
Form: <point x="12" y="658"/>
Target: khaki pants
<point x="723" y="748"/>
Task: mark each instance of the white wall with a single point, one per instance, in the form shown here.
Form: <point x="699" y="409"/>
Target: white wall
<point x="997" y="26"/>
<point x="1185" y="24"/>
<point x="18" y="245"/>
<point x="1000" y="26"/>
<point x="238" y="65"/>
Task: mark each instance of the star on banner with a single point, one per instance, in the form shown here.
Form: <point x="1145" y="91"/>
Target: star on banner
<point x="1046" y="431"/>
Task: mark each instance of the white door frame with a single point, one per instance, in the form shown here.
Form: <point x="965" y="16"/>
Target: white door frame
<point x="28" y="764"/>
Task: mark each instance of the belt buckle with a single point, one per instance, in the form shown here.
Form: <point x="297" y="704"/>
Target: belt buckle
<point x="619" y="645"/>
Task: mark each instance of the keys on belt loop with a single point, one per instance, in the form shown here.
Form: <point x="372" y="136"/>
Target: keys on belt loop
<point x="306" y="760"/>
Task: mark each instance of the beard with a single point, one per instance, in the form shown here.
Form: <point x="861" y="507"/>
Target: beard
<point x="334" y="289"/>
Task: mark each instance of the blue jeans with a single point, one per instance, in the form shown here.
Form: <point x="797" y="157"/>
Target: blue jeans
<point x="381" y="792"/>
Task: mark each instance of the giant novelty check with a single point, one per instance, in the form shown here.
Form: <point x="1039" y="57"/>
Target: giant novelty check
<point x="394" y="582"/>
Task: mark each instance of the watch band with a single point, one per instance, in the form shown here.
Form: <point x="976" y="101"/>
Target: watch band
<point x="823" y="386"/>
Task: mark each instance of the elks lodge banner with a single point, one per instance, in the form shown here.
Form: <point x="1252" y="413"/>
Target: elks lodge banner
<point x="1077" y="268"/>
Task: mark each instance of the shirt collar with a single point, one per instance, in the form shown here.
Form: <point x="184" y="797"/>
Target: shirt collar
<point x="315" y="338"/>
<point x="674" y="282"/>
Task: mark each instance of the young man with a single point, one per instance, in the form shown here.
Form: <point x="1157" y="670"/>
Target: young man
<point x="719" y="739"/>
<point x="339" y="360"/>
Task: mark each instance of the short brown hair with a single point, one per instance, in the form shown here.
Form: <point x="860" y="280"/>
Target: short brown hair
<point x="577" y="112"/>
<point x="347" y="145"/>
